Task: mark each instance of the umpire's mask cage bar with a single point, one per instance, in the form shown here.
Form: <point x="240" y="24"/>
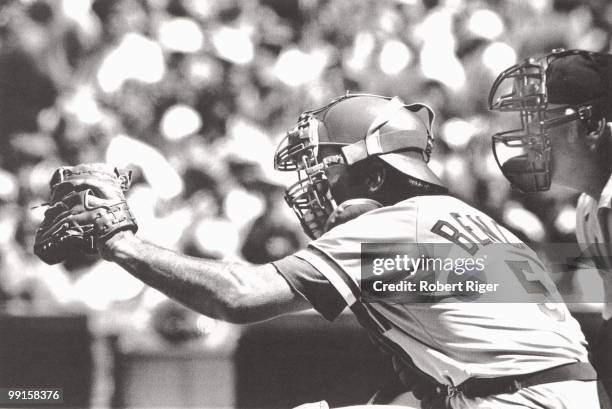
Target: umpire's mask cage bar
<point x="524" y="154"/>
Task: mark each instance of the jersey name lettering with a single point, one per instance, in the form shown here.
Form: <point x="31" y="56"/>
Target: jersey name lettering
<point x="471" y="232"/>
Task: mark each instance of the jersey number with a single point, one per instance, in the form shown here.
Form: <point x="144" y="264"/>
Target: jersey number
<point x="533" y="285"/>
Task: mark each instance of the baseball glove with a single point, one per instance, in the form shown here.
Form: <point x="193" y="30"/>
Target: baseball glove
<point x="87" y="206"/>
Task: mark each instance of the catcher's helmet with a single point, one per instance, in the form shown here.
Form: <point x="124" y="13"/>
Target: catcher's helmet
<point x="547" y="92"/>
<point x="360" y="126"/>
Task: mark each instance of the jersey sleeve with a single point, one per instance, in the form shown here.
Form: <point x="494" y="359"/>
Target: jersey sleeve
<point x="586" y="210"/>
<point x="602" y="247"/>
<point x="593" y="230"/>
<point x="605" y="216"/>
<point x="337" y="254"/>
<point x="307" y="281"/>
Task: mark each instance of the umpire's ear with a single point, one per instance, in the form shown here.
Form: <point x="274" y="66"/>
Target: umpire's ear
<point x="596" y="129"/>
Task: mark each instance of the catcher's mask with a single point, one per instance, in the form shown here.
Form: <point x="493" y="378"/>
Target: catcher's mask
<point x="360" y="126"/>
<point x="547" y="92"/>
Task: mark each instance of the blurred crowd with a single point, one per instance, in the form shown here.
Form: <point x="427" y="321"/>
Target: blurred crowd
<point x="194" y="95"/>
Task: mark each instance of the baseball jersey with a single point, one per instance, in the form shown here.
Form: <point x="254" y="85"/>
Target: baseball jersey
<point x="442" y="332"/>
<point x="594" y="226"/>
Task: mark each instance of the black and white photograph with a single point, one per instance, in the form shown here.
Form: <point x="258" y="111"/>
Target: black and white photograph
<point x="306" y="204"/>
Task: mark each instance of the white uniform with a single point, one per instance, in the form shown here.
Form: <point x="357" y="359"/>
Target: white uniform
<point x="594" y="227"/>
<point x="593" y="233"/>
<point x="513" y="330"/>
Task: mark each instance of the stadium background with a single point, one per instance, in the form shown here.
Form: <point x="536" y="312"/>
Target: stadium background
<point x="193" y="95"/>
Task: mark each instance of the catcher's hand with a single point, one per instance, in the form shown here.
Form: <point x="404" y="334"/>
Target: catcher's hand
<point x="87" y="207"/>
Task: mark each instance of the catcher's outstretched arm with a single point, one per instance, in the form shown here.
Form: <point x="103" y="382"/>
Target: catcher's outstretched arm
<point x="229" y="291"/>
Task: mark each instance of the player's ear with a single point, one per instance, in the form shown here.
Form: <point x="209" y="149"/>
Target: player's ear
<point x="375" y="176"/>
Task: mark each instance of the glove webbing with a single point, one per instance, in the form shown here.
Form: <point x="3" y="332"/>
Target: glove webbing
<point x="67" y="174"/>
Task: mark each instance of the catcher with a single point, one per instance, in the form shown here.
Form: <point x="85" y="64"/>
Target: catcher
<point x="564" y="100"/>
<point x="363" y="179"/>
